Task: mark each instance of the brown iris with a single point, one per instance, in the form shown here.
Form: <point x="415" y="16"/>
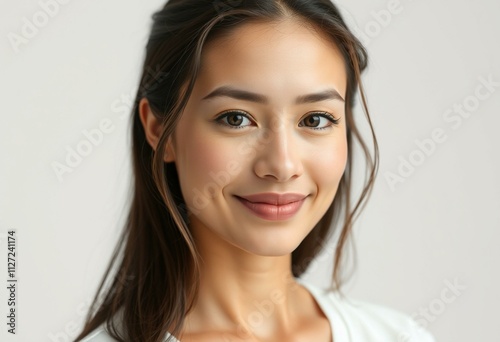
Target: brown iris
<point x="235" y="119"/>
<point x="312" y="121"/>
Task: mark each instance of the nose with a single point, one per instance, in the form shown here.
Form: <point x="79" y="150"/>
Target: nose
<point x="278" y="156"/>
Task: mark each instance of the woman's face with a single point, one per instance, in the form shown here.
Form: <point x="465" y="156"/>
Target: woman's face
<point x="269" y="130"/>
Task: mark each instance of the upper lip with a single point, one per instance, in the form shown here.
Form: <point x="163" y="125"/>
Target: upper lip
<point x="274" y="198"/>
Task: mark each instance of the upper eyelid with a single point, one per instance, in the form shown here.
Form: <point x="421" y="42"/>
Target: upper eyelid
<point x="226" y="112"/>
<point x="235" y="111"/>
<point x="334" y="118"/>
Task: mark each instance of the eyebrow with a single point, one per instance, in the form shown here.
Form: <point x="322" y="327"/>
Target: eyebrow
<point x="227" y="91"/>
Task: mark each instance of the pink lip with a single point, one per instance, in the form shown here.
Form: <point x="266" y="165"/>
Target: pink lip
<point x="273" y="206"/>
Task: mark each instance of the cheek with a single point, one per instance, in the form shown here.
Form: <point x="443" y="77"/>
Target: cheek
<point x="206" y="163"/>
<point x="327" y="165"/>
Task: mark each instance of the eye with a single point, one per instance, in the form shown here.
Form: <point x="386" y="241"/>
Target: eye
<point x="319" y="121"/>
<point x="234" y="119"/>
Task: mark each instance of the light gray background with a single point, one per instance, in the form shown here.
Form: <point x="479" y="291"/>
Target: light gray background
<point x="438" y="227"/>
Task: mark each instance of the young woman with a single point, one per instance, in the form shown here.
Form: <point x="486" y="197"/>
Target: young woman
<point x="242" y="150"/>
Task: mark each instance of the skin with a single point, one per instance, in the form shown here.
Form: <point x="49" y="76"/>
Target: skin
<point x="247" y="290"/>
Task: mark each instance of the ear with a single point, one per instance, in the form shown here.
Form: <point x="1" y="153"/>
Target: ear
<point x="152" y="129"/>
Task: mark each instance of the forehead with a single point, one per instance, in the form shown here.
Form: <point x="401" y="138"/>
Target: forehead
<point x="271" y="57"/>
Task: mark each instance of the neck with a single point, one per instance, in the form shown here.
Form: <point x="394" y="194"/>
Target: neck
<point x="253" y="294"/>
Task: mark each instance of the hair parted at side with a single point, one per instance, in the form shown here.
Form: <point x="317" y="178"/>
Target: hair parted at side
<point x="152" y="278"/>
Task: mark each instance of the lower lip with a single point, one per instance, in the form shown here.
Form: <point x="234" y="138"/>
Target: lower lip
<point x="273" y="212"/>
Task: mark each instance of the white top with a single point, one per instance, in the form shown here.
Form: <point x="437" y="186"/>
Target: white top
<point x="350" y="320"/>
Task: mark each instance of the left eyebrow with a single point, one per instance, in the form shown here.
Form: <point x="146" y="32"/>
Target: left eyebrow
<point x="227" y="91"/>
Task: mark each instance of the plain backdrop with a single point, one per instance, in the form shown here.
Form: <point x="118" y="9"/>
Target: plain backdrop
<point x="427" y="243"/>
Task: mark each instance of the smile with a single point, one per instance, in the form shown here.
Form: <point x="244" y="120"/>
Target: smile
<point x="273" y="207"/>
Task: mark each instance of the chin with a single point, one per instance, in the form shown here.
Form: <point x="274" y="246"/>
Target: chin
<point x="272" y="247"/>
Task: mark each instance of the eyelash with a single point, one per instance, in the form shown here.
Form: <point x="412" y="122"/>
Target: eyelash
<point x="325" y="115"/>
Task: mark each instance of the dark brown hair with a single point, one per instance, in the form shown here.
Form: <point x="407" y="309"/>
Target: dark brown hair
<point x="152" y="278"/>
